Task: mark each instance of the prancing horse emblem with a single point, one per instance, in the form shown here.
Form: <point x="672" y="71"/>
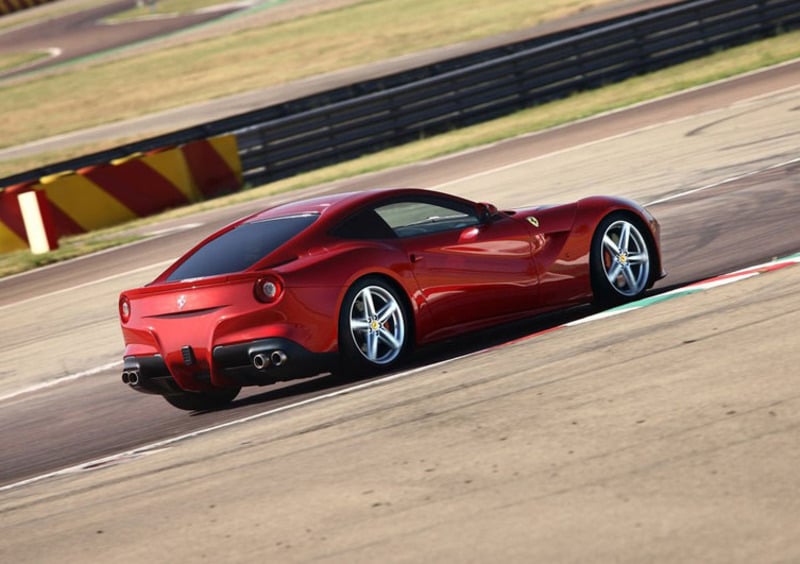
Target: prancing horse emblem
<point x="181" y="301"/>
<point x="533" y="221"/>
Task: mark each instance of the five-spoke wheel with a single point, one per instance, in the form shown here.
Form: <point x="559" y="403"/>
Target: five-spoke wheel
<point x="620" y="261"/>
<point x="373" y="326"/>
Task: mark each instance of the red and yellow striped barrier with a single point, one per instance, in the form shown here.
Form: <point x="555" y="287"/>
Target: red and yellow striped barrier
<point x="8" y="6"/>
<point x="12" y="228"/>
<point x="136" y="186"/>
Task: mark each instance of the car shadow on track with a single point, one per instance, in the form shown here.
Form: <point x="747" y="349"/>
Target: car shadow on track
<point x="483" y="340"/>
<point x="430" y="354"/>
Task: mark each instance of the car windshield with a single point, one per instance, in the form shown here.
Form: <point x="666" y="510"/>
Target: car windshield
<point x="241" y="247"/>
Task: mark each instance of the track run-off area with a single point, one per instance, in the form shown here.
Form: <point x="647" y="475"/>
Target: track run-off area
<point x="670" y="432"/>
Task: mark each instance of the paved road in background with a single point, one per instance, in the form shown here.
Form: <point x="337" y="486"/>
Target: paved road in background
<point x="84" y="33"/>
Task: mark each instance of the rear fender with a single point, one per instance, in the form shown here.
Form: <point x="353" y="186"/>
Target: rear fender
<point x="342" y="264"/>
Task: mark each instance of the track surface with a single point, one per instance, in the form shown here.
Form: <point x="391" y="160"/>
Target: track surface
<point x="83" y="33"/>
<point x="729" y="226"/>
<point x="568" y="434"/>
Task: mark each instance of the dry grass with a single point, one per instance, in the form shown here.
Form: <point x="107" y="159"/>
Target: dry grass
<point x="147" y="9"/>
<point x="236" y="62"/>
<point x="13" y="60"/>
<point x="70" y="247"/>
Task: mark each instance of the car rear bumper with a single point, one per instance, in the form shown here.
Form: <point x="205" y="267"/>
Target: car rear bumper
<point x="282" y="360"/>
<point x="256" y="363"/>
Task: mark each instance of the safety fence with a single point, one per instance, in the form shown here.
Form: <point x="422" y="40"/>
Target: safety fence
<point x="343" y="130"/>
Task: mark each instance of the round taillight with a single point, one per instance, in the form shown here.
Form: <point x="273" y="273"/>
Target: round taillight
<point x="268" y="289"/>
<point x="124" y="309"/>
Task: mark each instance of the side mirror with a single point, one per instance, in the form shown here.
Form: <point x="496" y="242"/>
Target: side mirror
<point x="486" y="212"/>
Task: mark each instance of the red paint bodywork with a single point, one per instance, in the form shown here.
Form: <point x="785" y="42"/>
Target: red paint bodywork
<point x="454" y="281"/>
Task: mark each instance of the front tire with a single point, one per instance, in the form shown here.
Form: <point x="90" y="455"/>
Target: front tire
<point x="374" y="329"/>
<point x="621" y="260"/>
<point x="202" y="401"/>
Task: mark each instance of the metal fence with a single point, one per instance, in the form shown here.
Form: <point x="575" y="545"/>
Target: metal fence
<point x="304" y="134"/>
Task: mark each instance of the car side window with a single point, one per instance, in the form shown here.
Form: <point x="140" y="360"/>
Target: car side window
<point x="423" y="217"/>
<point x="365" y="224"/>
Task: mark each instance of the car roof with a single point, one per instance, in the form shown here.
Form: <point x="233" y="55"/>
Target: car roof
<point x="336" y="203"/>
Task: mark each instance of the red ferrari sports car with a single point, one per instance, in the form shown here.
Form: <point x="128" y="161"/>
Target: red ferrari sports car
<point x="352" y="282"/>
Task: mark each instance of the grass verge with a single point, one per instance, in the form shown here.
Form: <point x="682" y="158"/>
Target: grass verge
<point x="70" y="247"/>
<point x="154" y="8"/>
<point x="14" y="60"/>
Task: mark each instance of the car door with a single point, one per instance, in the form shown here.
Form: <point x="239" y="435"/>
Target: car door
<point x="468" y="270"/>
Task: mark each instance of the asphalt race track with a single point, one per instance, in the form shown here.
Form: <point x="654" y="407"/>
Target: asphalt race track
<point x="84" y="33"/>
<point x="668" y="433"/>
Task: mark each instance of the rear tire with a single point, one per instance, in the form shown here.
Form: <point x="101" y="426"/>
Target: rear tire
<point x="374" y="327"/>
<point x="203" y="401"/>
<point x="621" y="260"/>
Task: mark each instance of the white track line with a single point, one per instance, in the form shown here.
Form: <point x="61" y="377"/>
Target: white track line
<point x="85" y="284"/>
<point x="61" y="380"/>
<point x="134" y="453"/>
<point x="725" y="181"/>
<point x="91" y="371"/>
<point x="617" y="135"/>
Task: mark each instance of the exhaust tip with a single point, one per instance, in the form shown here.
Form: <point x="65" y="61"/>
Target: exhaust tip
<point x="125" y="378"/>
<point x="278" y="358"/>
<point x="260" y="361"/>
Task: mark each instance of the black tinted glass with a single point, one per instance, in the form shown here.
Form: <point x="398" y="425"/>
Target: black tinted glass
<point x="365" y="224"/>
<point x="241" y="247"/>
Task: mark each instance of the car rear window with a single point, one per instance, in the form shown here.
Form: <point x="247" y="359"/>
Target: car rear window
<point x="241" y="247"/>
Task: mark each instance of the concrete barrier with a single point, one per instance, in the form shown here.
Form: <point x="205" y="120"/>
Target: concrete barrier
<point x="40" y="228"/>
<point x="124" y="189"/>
<point x="12" y="226"/>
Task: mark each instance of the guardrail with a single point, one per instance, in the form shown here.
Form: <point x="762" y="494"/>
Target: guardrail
<point x="282" y="140"/>
<point x="500" y="86"/>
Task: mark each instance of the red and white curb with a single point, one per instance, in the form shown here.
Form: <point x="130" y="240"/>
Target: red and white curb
<point x="701" y="286"/>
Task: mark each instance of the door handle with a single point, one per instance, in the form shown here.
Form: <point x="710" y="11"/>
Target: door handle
<point x="415" y="258"/>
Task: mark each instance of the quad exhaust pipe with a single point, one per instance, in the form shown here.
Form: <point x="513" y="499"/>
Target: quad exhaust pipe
<point x="260" y="361"/>
<point x="263" y="360"/>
